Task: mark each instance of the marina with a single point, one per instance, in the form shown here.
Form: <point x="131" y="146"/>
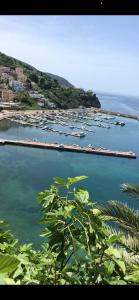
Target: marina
<point x="66" y="119"/>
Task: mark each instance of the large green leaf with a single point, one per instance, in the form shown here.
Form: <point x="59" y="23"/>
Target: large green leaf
<point x="75" y="179"/>
<point x="133" y="277"/>
<point x="121" y="264"/>
<point x="112" y="238"/>
<point x="8" y="263"/>
<point x="109" y="265"/>
<point x="59" y="182"/>
<point x="82" y="196"/>
<point x="113" y="252"/>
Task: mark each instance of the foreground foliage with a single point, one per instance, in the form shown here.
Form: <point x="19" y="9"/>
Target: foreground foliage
<point x="78" y="248"/>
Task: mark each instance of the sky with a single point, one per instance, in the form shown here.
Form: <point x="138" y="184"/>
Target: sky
<point x="92" y="52"/>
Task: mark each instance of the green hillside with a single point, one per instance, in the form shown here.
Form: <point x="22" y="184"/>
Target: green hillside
<point x="54" y="88"/>
<point x="62" y="81"/>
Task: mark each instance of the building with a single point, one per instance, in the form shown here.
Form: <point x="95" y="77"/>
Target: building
<point x="6" y="95"/>
<point x="3" y="86"/>
<point x="6" y="76"/>
<point x="17" y="85"/>
<point x="7" y="70"/>
<point x="35" y="95"/>
<point x="4" y="69"/>
<point x="49" y="104"/>
<point x="20" y="75"/>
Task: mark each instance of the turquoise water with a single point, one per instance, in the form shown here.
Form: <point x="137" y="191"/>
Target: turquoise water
<point x="26" y="171"/>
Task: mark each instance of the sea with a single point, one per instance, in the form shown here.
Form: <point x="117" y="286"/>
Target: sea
<point x="24" y="172"/>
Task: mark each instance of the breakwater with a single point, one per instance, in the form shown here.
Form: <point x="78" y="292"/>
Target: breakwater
<point x="69" y="148"/>
<point x="118" y="114"/>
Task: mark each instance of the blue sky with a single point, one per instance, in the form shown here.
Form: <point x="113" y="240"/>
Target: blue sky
<point x="93" y="52"/>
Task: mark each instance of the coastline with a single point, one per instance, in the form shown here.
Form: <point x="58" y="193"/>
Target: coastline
<point x="6" y="113"/>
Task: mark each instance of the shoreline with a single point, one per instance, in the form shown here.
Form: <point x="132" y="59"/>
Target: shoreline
<point x="6" y="113"/>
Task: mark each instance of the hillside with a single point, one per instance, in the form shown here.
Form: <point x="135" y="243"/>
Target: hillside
<point x="35" y="88"/>
<point x="62" y="81"/>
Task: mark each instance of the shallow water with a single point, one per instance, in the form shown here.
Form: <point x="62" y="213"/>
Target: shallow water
<point x="26" y="171"/>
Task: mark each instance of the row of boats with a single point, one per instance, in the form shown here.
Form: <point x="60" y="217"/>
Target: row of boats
<point x="47" y="121"/>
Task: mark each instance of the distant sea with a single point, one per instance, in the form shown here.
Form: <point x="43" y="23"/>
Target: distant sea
<point x="118" y="103"/>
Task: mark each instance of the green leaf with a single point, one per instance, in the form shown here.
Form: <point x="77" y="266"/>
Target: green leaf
<point x="62" y="281"/>
<point x="133" y="277"/>
<point x="67" y="210"/>
<point x="113" y="252"/>
<point x="82" y="196"/>
<point x="109" y="265"/>
<point x="48" y="200"/>
<point x="96" y="212"/>
<point x="59" y="182"/>
<point x="112" y="238"/>
<point x="2" y="279"/>
<point x="4" y="223"/>
<point x="18" y="272"/>
<point x="25" y="247"/>
<point x="121" y="264"/>
<point x="8" y="263"/>
<point x="116" y="282"/>
<point x="70" y="180"/>
<point x="10" y="281"/>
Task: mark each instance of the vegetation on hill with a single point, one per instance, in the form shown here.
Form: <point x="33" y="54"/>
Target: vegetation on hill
<point x="26" y="100"/>
<point x="62" y="81"/>
<point x="56" y="89"/>
<point x="79" y="247"/>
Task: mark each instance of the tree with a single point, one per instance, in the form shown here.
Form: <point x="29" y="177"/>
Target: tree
<point x="89" y="93"/>
<point x="24" y="98"/>
<point x="34" y="77"/>
<point x="126" y="218"/>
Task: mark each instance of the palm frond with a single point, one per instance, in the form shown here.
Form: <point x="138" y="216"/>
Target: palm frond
<point x="112" y="230"/>
<point x="130" y="258"/>
<point x="126" y="240"/>
<point x="127" y="218"/>
<point x="128" y="246"/>
<point x="130" y="243"/>
<point x="131" y="189"/>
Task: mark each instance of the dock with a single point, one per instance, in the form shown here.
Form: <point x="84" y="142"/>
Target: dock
<point x="69" y="148"/>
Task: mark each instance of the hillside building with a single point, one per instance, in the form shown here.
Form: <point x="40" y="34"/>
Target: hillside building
<point x="17" y="85"/>
<point x="20" y="75"/>
<point x="4" y="69"/>
<point x="6" y="95"/>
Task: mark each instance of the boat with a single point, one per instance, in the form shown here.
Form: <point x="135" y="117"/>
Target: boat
<point x="79" y="134"/>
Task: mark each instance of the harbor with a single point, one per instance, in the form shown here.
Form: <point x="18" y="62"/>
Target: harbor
<point x="61" y="147"/>
<point x="70" y="123"/>
<point x="37" y="129"/>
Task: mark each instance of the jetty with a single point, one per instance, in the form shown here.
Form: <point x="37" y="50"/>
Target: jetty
<point x="69" y="148"/>
<point x="118" y="114"/>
